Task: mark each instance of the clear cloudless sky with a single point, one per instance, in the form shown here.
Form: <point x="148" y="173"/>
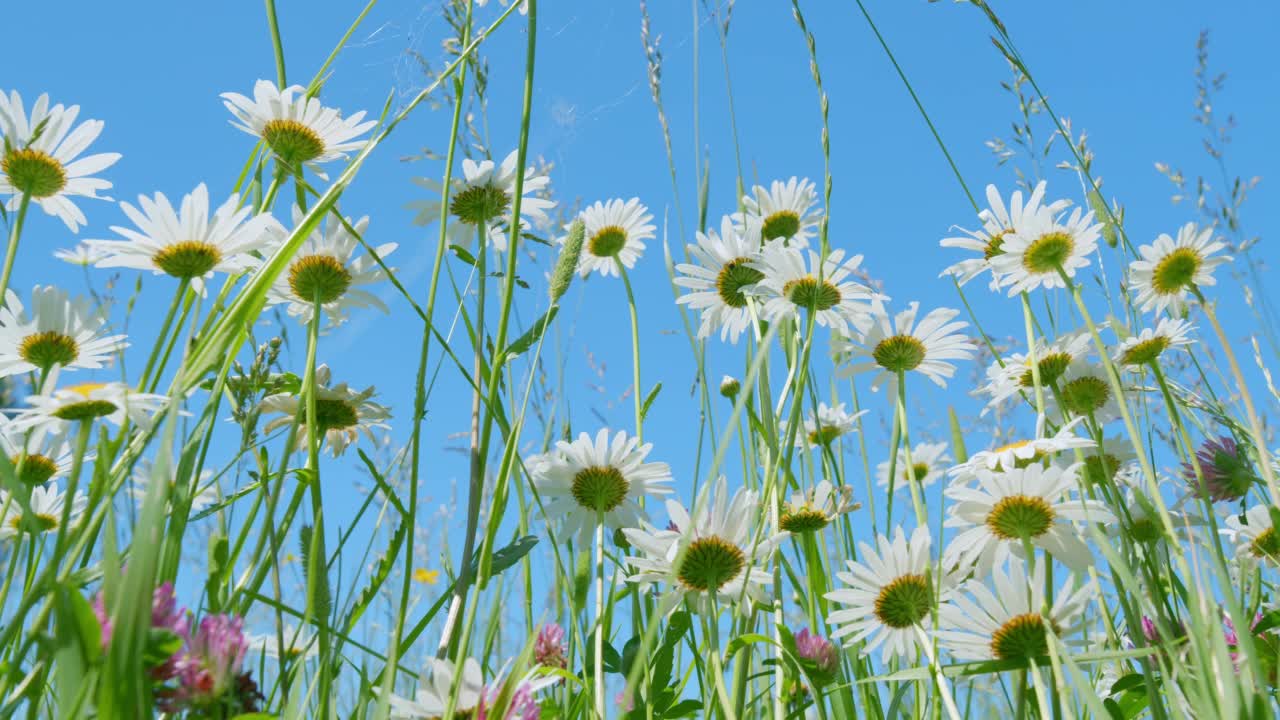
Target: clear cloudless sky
<point x="1122" y="71"/>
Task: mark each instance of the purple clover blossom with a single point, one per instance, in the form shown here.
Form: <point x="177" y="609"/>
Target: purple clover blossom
<point x="1226" y="469"/>
<point x="1233" y="640"/>
<point x="209" y="672"/>
<point x="165" y="615"/>
<point x="523" y="706"/>
<point x="818" y="650"/>
<point x="1149" y="631"/>
<point x="548" y="647"/>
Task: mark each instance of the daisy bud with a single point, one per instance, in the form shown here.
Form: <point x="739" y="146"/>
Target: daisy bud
<point x="729" y="386"/>
<point x="562" y="275"/>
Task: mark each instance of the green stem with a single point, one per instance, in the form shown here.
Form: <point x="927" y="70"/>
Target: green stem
<point x="600" y="631"/>
<point x="165" y="326"/>
<point x="11" y="251"/>
<point x="635" y="350"/>
<point x="316" y="571"/>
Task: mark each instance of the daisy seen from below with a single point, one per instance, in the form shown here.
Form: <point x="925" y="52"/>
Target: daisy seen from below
<point x="893" y="347"/>
<point x="58" y="332"/>
<point x="483" y="198"/>
<point x="1171" y="269"/>
<point x="293" y="643"/>
<point x="41" y="160"/>
<point x="1103" y="464"/>
<point x="59" y="410"/>
<point x="342" y="414"/>
<point x="1044" y="248"/>
<point x="888" y="595"/>
<point x="327" y="270"/>
<point x="929" y="462"/>
<point x="716" y="554"/>
<point x="43" y="456"/>
<point x="813" y="510"/>
<point x="1007" y="621"/>
<point x="791" y="283"/>
<point x="590" y="479"/>
<point x="435" y="686"/>
<point x="298" y="128"/>
<point x="1014" y="375"/>
<point x="1139" y="351"/>
<point x="82" y="254"/>
<point x="785" y="211"/>
<point x="1003" y="509"/>
<point x="47" y="506"/>
<point x="187" y="243"/>
<point x="1021" y="453"/>
<point x="827" y="425"/>
<point x="1084" y="391"/>
<point x="1254" y="535"/>
<point x="998" y="221"/>
<point x="719" y="277"/>
<point x="615" y="233"/>
<point x="207" y="494"/>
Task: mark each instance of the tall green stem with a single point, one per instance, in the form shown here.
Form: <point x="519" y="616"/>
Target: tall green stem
<point x="11" y="251"/>
<point x="635" y="351"/>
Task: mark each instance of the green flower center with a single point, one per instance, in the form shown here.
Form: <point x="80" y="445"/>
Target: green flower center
<point x="34" y="172"/>
<point x="607" y="242"/>
<point x="904" y="602"/>
<point x="479" y="204"/>
<point x="1021" y="637"/>
<point x="335" y="414"/>
<point x="1020" y="516"/>
<point x="44" y="521"/>
<point x="710" y="563"/>
<point x="1086" y="394"/>
<point x="600" y="488"/>
<point x="36" y="469"/>
<point x="85" y="410"/>
<point x="1266" y="546"/>
<point x="782" y="224"/>
<point x="1051" y="368"/>
<point x="803" y="520"/>
<point x="1175" y="271"/>
<point x="733" y="277"/>
<point x="899" y="353"/>
<point x="1101" y="469"/>
<point x="995" y="245"/>
<point x="319" y="277"/>
<point x="187" y="259"/>
<point x="1048" y="252"/>
<point x="1145" y="530"/>
<point x="292" y="142"/>
<point x="825" y="434"/>
<point x="918" y="472"/>
<point x="808" y="293"/>
<point x="1145" y="352"/>
<point x="48" y="348"/>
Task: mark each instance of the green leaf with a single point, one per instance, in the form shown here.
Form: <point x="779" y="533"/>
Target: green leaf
<point x="463" y="254"/>
<point x="509" y="555"/>
<point x="685" y="708"/>
<point x="648" y="400"/>
<point x="320" y="600"/>
<point x="522" y="344"/>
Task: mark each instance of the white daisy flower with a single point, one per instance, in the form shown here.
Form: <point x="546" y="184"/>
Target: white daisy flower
<point x="298" y="129"/>
<point x="900" y="345"/>
<point x="997" y="223"/>
<point x="327" y="268"/>
<point x="928" y="463"/>
<point x="1003" y="508"/>
<point x="342" y="414"/>
<point x="435" y="686"/>
<point x="888" y="595"/>
<point x="813" y="510"/>
<point x="60" y="331"/>
<point x="1138" y="351"/>
<point x="1014" y="376"/>
<point x="40" y="154"/>
<point x="826" y="425"/>
<point x="1022" y="453"/>
<point x="1007" y="622"/>
<point x="790" y="285"/>
<point x="1084" y="391"/>
<point x="786" y="211"/>
<point x="44" y="456"/>
<point x="47" y="504"/>
<point x="299" y="643"/>
<point x="719" y="276"/>
<point x="1103" y="465"/>
<point x="484" y="195"/>
<point x="187" y="243"/>
<point x="82" y="254"/>
<point x="1254" y="536"/>
<point x="1170" y="269"/>
<point x="615" y="232"/>
<point x="717" y="551"/>
<point x="580" y="479"/>
<point x="60" y="410"/>
<point x="1034" y="253"/>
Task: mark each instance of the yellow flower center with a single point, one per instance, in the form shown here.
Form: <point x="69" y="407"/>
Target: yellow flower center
<point x="900" y="353"/>
<point x="733" y="277"/>
<point x="781" y="224"/>
<point x="36" y="469"/>
<point x="1176" y="271"/>
<point x="600" y="488"/>
<point x="1020" y="516"/>
<point x="48" y="348"/>
<point x="710" y="563"/>
<point x="188" y="259"/>
<point x="34" y="172"/>
<point x="320" y="278"/>
<point x="802" y="520"/>
<point x="808" y="293"/>
<point x="1021" y="637"/>
<point x="607" y="242"/>
<point x="293" y="142"/>
<point x="904" y="602"/>
<point x="1047" y="253"/>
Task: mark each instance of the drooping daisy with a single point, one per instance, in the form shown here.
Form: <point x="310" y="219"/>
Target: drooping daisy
<point x="1015" y="375"/>
<point x="579" y="480"/>
<point x="298" y="129"/>
<point x="47" y="504"/>
<point x="898" y="346"/>
<point x="60" y="331"/>
<point x="786" y="211"/>
<point x="888" y="595"/>
<point x="1004" y="508"/>
<point x="717" y="278"/>
<point x="997" y="223"/>
<point x="1084" y="391"/>
<point x="293" y="643"/>
<point x="82" y="254"/>
<point x="928" y="463"/>
<point x="718" y="551"/>
<point x="1022" y="453"/>
<point x="485" y="195"/>
<point x="1170" y="269"/>
<point x="1138" y="351"/>
<point x="1007" y="622"/>
<point x="827" y="425"/>
<point x="813" y="510"/>
<point x="187" y="243"/>
<point x="327" y="269"/>
<point x="790" y="284"/>
<point x="43" y="456"/>
<point x="60" y="410"/>
<point x="1254" y="535"/>
<point x="39" y="157"/>
<point x="1035" y="253"/>
<point x="615" y="232"/>
<point x="342" y="414"/>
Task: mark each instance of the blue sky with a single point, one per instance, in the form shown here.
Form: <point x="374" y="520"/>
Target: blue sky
<point x="1122" y="71"/>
